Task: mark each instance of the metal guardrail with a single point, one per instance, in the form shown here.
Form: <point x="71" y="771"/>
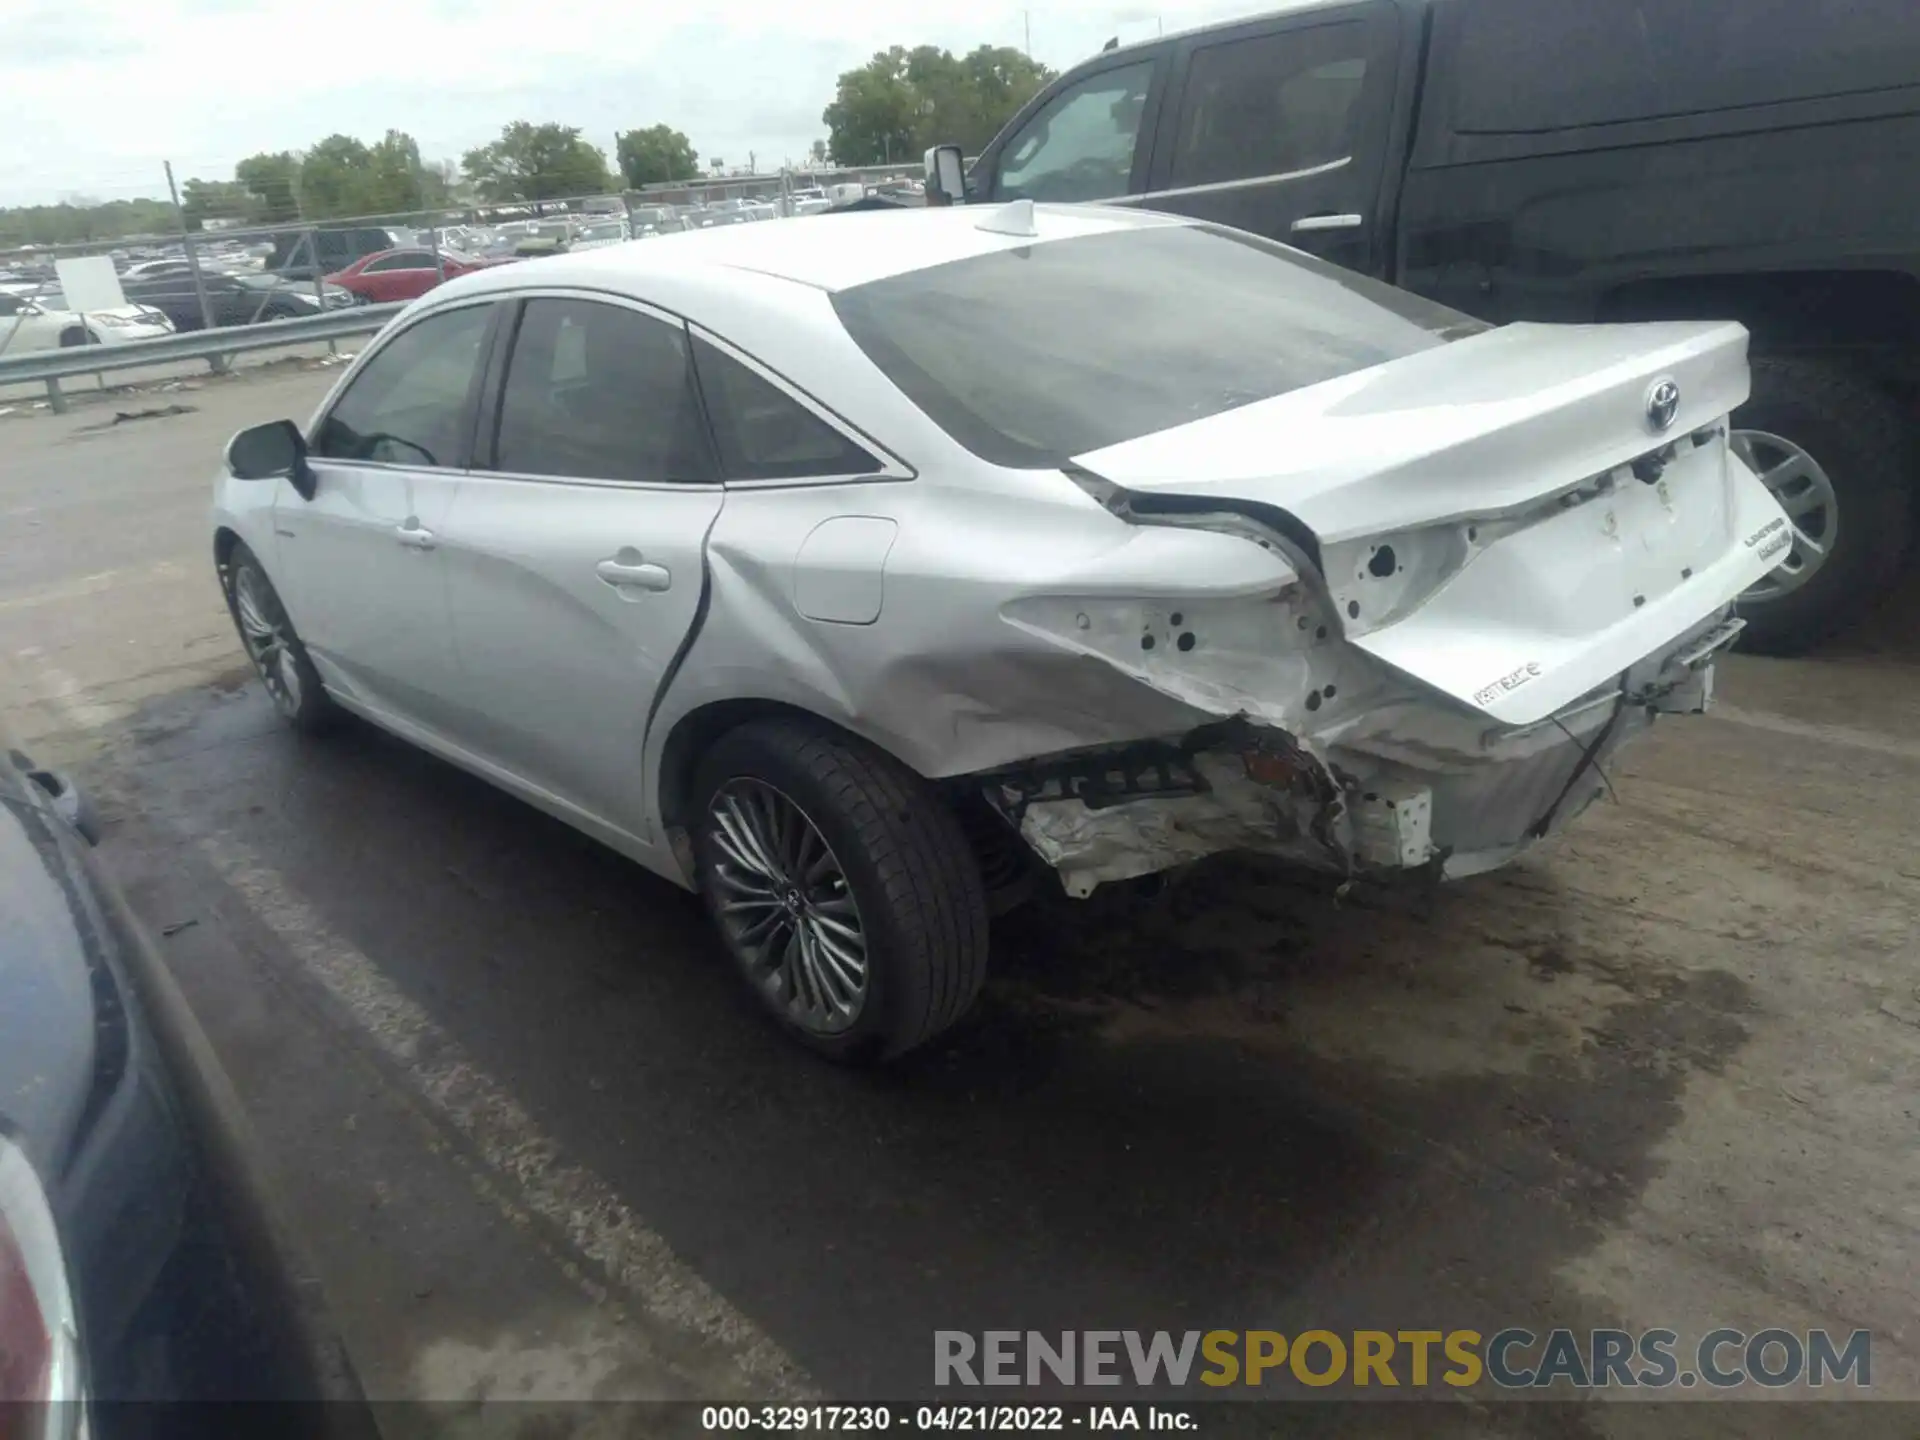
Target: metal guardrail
<point x="215" y="346"/>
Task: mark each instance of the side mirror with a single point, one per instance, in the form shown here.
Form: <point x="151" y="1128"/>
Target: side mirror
<point x="946" y="176"/>
<point x="267" y="452"/>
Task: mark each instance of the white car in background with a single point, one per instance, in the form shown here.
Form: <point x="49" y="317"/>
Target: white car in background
<point x="32" y="318"/>
<point x="829" y="569"/>
<point x="598" y="234"/>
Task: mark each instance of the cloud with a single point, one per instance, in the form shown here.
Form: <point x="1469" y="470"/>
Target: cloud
<point x="205" y="83"/>
<point x="58" y="35"/>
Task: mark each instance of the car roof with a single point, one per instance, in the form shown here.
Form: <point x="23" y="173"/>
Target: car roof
<point x="827" y="252"/>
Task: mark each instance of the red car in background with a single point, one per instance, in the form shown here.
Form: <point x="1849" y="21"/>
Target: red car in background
<point x="403" y="274"/>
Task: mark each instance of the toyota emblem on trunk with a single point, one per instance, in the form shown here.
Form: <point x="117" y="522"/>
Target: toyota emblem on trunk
<point x="1663" y="403"/>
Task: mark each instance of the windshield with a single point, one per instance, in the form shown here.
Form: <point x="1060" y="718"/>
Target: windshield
<point x="1032" y="355"/>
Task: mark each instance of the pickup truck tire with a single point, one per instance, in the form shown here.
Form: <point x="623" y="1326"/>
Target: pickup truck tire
<point x="1862" y="444"/>
<point x="807" y="837"/>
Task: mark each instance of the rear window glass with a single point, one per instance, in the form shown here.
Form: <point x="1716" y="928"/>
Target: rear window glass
<point x="1516" y="66"/>
<point x="1030" y="356"/>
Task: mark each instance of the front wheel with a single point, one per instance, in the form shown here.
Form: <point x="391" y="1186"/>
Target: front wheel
<point x="1837" y="454"/>
<point x="842" y="885"/>
<point x="273" y="646"/>
<point x="74" y="335"/>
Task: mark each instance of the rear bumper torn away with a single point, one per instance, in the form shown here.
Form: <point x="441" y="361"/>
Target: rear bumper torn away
<point x="1416" y="783"/>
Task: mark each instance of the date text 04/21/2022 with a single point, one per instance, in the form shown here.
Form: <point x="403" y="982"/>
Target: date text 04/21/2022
<point x="964" y="1418"/>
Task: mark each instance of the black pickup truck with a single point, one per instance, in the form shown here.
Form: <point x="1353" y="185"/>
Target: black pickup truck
<point x="1575" y="161"/>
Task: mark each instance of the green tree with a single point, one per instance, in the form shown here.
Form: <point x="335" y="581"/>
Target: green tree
<point x="204" y="200"/>
<point x="397" y="181"/>
<point x="871" y="119"/>
<point x="658" y="153"/>
<point x="274" y="183"/>
<point x="334" y="178"/>
<point x="902" y="101"/>
<point x="536" y="162"/>
<point x="999" y="80"/>
<point x="83" y="219"/>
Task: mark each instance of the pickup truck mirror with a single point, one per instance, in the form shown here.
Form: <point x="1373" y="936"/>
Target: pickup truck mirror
<point x="267" y="452"/>
<point x="946" y="176"/>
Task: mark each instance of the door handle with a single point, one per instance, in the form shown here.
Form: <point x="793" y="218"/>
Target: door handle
<point x="1328" y="222"/>
<point x="633" y="573"/>
<point x="413" y="536"/>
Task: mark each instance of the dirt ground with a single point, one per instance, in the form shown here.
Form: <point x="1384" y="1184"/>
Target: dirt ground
<point x="1662" y="1073"/>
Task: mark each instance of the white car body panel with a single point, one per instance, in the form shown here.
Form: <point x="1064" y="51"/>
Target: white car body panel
<point x="1478" y="435"/>
<point x="1151" y="603"/>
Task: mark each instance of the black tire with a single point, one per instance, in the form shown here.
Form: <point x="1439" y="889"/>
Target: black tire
<point x="906" y="864"/>
<point x="304" y="704"/>
<point x="1859" y="436"/>
<point x="74" y="336"/>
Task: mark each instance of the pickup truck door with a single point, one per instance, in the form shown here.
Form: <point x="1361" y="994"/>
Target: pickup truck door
<point x="1280" y="126"/>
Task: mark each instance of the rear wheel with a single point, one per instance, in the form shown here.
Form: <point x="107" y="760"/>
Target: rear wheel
<point x="1837" y="454"/>
<point x="842" y="886"/>
<point x="273" y="646"/>
<point x="75" y="335"/>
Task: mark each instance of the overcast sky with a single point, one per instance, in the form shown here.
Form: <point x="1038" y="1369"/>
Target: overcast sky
<point x="95" y="94"/>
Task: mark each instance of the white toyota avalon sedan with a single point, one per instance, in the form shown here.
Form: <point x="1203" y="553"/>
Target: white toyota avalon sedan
<point x="842" y="569"/>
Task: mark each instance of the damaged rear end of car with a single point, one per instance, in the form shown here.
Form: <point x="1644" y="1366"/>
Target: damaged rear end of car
<point x="1483" y="569"/>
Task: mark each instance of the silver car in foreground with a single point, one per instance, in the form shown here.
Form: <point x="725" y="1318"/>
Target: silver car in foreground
<point x="838" y="568"/>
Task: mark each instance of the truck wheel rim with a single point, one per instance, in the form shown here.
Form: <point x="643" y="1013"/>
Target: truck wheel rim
<point x="1796" y="480"/>
<point x="785" y="907"/>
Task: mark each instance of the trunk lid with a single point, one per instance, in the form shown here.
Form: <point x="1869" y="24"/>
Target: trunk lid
<point x="1525" y="562"/>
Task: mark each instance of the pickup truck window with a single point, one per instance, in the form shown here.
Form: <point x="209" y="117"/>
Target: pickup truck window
<point x="1080" y="146"/>
<point x="1271" y="104"/>
<point x="1527" y="66"/>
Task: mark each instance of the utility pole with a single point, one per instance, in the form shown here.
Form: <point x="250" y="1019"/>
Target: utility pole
<point x="1026" y="20"/>
<point x="193" y="255"/>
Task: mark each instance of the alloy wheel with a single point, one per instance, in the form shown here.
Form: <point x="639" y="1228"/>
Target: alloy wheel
<point x="1796" y="480"/>
<point x="785" y="907"/>
<point x="268" y="637"/>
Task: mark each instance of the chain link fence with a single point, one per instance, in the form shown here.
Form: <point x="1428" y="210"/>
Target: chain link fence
<point x="217" y="269"/>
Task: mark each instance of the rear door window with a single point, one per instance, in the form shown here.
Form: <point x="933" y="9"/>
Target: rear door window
<point x="597" y="391"/>
<point x="1270" y="104"/>
<point x="762" y="433"/>
<point x="1081" y="145"/>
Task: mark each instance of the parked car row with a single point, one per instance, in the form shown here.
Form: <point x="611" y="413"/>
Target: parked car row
<point x="230" y="299"/>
